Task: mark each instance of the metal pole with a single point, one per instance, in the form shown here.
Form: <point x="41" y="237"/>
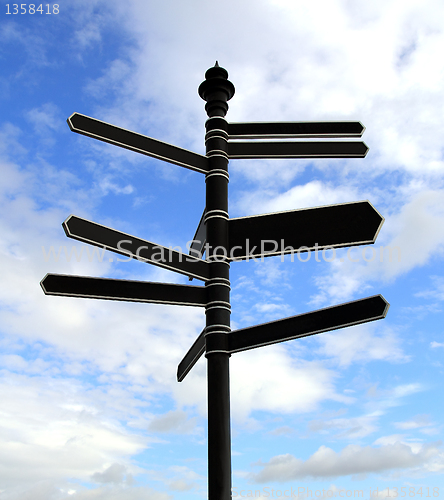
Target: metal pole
<point x="217" y="90"/>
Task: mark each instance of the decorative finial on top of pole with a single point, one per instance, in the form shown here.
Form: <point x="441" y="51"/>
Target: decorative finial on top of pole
<point x="216" y="90"/>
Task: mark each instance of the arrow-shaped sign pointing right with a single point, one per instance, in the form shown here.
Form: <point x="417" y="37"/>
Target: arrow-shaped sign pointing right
<point x="343" y="225"/>
<point x="281" y="130"/>
<point x="322" y="320"/>
<point x="314" y="149"/>
<point x="294" y="327"/>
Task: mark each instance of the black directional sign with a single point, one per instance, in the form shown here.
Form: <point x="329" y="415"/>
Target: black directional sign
<point x="347" y="224"/>
<point x="191" y="357"/>
<point x="282" y="130"/>
<point x="302" y="325"/>
<point x="137" y="142"/>
<point x="136" y="248"/>
<point x="339" y="149"/>
<point x="322" y="320"/>
<point x="199" y="239"/>
<point x="133" y="291"/>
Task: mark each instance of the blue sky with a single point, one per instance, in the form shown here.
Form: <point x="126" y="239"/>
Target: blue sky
<point x="90" y="405"/>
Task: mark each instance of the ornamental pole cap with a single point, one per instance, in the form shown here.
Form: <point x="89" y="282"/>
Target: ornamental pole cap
<point x="216" y="80"/>
<point x="216" y="72"/>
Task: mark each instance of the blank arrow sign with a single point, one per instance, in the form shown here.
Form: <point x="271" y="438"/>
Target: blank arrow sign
<point x="134" y="291"/>
<point x="303" y="325"/>
<point x="136" y="248"/>
<point x="323" y="320"/>
<point x="200" y="238"/>
<point x="137" y="142"/>
<point x="347" y="224"/>
<point x="191" y="357"/>
<point x="281" y="130"/>
<point x="264" y="150"/>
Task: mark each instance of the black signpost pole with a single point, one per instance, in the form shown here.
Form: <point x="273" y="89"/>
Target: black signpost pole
<point x="217" y="90"/>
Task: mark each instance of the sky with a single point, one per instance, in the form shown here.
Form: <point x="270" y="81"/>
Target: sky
<point x="90" y="405"/>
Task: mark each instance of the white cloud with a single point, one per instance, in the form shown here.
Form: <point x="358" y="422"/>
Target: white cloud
<point x="116" y="74"/>
<point x="408" y="239"/>
<point x="107" y="185"/>
<point x="378" y="404"/>
<point x="62" y="490"/>
<point x="417" y="422"/>
<point x="437" y="290"/>
<point x="309" y="195"/>
<point x="380" y="400"/>
<point x="45" y="118"/>
<point x="55" y="427"/>
<point x="281" y="431"/>
<point x="88" y="35"/>
<point x="174" y="421"/>
<point x="351" y="460"/>
<point x="17" y="36"/>
<point x="114" y="474"/>
<point x="120" y="493"/>
<point x="361" y="344"/>
<point x="269" y="379"/>
<point x="347" y="428"/>
<point x="183" y="478"/>
<point x="434" y="344"/>
<point x="392" y="439"/>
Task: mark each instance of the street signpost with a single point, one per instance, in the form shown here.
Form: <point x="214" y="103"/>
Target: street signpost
<point x="225" y="240"/>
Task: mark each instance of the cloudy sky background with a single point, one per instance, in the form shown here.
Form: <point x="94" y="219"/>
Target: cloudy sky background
<point x="90" y="407"/>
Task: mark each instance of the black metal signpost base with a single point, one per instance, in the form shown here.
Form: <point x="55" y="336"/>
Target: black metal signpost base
<point x="227" y="240"/>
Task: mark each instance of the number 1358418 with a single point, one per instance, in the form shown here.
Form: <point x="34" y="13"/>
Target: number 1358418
<point x="31" y="8"/>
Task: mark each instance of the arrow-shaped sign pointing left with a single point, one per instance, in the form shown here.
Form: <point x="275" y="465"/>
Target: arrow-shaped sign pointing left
<point x="136" y="248"/>
<point x="128" y="290"/>
<point x="139" y="143"/>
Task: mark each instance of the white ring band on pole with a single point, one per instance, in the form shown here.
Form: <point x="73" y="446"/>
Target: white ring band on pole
<point x="217" y="171"/>
<point x="218" y="307"/>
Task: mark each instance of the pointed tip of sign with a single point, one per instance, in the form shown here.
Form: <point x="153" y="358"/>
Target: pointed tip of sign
<point x="65" y="225"/>
<point x="366" y="150"/>
<point x="387" y="306"/>
<point x="216" y="65"/>
<point x="42" y="284"/>
<point x="70" y="124"/>
<point x="181" y="372"/>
